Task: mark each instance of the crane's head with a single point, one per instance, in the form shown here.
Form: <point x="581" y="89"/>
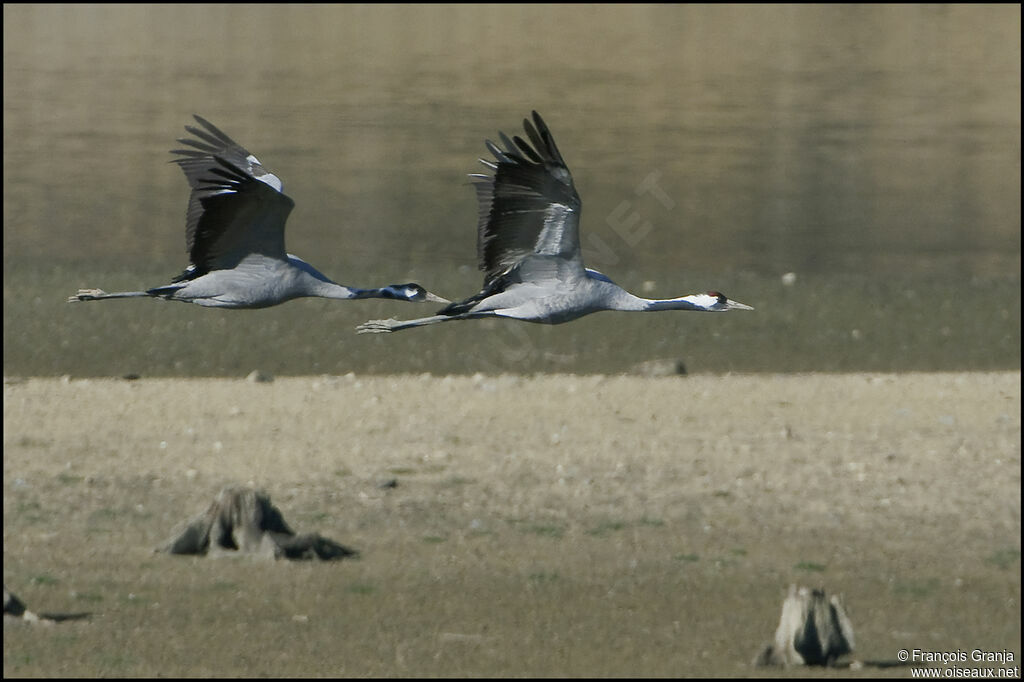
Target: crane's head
<point x="716" y="301"/>
<point x="411" y="292"/>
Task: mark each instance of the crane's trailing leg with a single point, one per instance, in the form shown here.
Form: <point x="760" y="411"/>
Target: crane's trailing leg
<point x="98" y="294"/>
<point x="393" y="325"/>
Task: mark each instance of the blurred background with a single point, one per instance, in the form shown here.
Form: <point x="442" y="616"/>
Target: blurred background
<point x="852" y="172"/>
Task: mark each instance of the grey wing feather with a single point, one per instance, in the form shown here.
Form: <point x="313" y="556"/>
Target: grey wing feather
<point x="236" y="206"/>
<point x="529" y="206"/>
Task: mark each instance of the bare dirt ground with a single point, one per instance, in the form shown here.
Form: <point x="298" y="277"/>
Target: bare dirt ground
<point x="556" y="525"/>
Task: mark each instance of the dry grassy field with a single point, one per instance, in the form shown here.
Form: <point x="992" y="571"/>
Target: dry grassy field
<point x="553" y="526"/>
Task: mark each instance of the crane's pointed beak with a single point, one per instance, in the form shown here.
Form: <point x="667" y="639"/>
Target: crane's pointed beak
<point x="434" y="298"/>
<point x="736" y="305"/>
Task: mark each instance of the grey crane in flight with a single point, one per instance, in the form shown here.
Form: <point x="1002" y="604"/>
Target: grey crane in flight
<point x="528" y="246"/>
<point x="235" y="237"/>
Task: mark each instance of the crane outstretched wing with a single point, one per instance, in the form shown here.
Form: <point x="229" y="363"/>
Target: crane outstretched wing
<point x="237" y="206"/>
<point x="529" y="206"/>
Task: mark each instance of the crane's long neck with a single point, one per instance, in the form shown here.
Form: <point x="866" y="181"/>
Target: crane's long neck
<point x="330" y="289"/>
<point x="312" y="282"/>
<point x="398" y="292"/>
<point x="614" y="297"/>
<point x="623" y="300"/>
<point x="691" y="302"/>
<point x="711" y="301"/>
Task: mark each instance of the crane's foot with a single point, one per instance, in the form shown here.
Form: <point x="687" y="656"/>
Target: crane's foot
<point x="377" y="326"/>
<point x="87" y="295"/>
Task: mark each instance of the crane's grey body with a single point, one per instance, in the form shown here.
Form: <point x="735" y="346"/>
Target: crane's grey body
<point x="256" y="281"/>
<point x="235" y="237"/>
<point x="528" y="246"/>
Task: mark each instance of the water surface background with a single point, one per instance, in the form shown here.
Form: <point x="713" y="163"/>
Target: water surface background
<point x="873" y="151"/>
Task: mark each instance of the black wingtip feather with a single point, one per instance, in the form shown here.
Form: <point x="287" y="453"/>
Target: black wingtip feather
<point x="538" y="142"/>
<point x="526" y="149"/>
<point x="542" y="127"/>
<point x="498" y="152"/>
<point x="219" y="134"/>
